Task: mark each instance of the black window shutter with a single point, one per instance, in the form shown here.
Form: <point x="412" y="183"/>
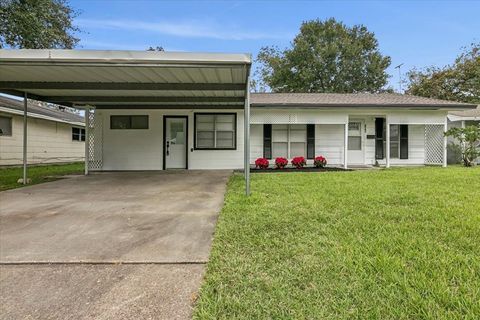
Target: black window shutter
<point x="379" y="138"/>
<point x="310" y="141"/>
<point x="267" y="141"/>
<point x="403" y="141"/>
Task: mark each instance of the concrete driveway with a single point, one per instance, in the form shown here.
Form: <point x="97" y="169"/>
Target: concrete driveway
<point x="129" y="245"/>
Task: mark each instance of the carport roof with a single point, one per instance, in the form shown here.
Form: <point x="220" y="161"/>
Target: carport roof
<point x="127" y="79"/>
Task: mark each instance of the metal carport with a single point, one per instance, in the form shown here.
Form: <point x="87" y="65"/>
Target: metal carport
<point x="129" y="79"/>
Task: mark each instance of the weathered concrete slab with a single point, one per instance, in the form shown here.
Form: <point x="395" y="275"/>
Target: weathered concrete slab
<point x="122" y="217"/>
<point x="128" y="216"/>
<point x="100" y="292"/>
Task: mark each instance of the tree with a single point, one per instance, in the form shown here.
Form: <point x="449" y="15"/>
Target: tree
<point x="326" y="56"/>
<point x="37" y="24"/>
<point x="457" y="82"/>
<point x="469" y="139"/>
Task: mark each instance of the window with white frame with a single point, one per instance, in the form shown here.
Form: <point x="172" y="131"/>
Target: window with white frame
<point x="289" y="140"/>
<point x="78" y="134"/>
<point x="394" y="141"/>
<point x="215" y="131"/>
<point x="5" y="126"/>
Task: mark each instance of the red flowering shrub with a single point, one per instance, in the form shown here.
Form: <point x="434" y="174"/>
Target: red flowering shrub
<point x="261" y="163"/>
<point x="299" y="162"/>
<point x="320" y="162"/>
<point x="281" y="162"/>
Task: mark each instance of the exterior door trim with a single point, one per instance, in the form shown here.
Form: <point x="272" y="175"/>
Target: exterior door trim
<point x="164" y="135"/>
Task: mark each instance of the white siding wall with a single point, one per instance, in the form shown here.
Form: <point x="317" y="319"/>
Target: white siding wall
<point x="143" y="149"/>
<point x="329" y="140"/>
<point x="48" y="142"/>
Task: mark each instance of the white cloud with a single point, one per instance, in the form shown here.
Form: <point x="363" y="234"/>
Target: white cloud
<point x="188" y="29"/>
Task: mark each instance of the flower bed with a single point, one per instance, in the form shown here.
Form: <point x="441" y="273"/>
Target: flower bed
<point x="281" y="164"/>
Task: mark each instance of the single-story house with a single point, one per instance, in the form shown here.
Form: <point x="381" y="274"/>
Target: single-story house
<point x="178" y="110"/>
<point x="55" y="135"/>
<point x="461" y="119"/>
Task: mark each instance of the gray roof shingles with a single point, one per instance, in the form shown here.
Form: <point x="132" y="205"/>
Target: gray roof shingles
<point x="65" y="116"/>
<point x="351" y="100"/>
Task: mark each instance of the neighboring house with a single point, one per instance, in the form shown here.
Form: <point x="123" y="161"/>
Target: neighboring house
<point x="171" y="110"/>
<point x="53" y="135"/>
<point x="460" y="119"/>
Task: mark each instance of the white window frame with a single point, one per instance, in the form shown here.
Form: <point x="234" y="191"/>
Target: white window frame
<point x="215" y="130"/>
<point x="289" y="140"/>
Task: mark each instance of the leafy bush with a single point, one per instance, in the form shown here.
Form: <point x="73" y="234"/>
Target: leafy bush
<point x="469" y="140"/>
<point x="262" y="163"/>
<point x="299" y="162"/>
<point x="320" y="162"/>
<point x="281" y="163"/>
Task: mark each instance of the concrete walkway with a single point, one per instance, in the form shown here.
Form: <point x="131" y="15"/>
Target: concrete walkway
<point x="129" y="245"/>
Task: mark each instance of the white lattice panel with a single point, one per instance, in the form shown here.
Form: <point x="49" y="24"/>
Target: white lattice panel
<point x="434" y="139"/>
<point x="95" y="140"/>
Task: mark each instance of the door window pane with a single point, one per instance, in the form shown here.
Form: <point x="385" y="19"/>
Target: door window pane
<point x="177" y="134"/>
<point x="354" y="143"/>
<point x="354" y="136"/>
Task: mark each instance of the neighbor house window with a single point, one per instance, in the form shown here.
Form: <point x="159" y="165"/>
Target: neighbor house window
<point x="215" y="130"/>
<point x="129" y="122"/>
<point x="5" y="126"/>
<point x="78" y="134"/>
<point x="289" y="140"/>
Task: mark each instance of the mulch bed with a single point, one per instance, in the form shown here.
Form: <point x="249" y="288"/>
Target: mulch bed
<point x="292" y="169"/>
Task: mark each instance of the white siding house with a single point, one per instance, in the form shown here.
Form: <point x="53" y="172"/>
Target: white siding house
<point x="167" y="110"/>
<point x="52" y="134"/>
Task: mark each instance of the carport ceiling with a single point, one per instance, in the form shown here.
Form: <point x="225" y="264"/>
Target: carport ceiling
<point x="126" y="79"/>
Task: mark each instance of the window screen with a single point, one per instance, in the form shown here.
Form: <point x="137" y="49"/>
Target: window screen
<point x="215" y="131"/>
<point x="5" y="126"/>
<point x="129" y="122"/>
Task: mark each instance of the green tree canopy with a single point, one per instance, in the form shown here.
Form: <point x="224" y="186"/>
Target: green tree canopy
<point x="326" y="56"/>
<point x="37" y="24"/>
<point x="457" y="82"/>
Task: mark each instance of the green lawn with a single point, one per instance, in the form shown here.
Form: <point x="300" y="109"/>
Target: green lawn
<point x="379" y="244"/>
<point x="38" y="174"/>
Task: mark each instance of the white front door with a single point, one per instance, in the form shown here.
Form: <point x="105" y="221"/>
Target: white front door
<point x="356" y="147"/>
<point x="175" y="142"/>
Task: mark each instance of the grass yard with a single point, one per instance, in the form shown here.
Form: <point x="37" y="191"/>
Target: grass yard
<point x="386" y="244"/>
<point x="38" y="174"/>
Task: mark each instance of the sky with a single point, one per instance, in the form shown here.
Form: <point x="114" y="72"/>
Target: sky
<point x="415" y="33"/>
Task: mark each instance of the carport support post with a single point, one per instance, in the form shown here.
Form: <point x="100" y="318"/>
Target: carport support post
<point x="387" y="138"/>
<point x="246" y="138"/>
<point x="87" y="140"/>
<point x="345" y="147"/>
<point x="25" y="103"/>
<point x="445" y="142"/>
